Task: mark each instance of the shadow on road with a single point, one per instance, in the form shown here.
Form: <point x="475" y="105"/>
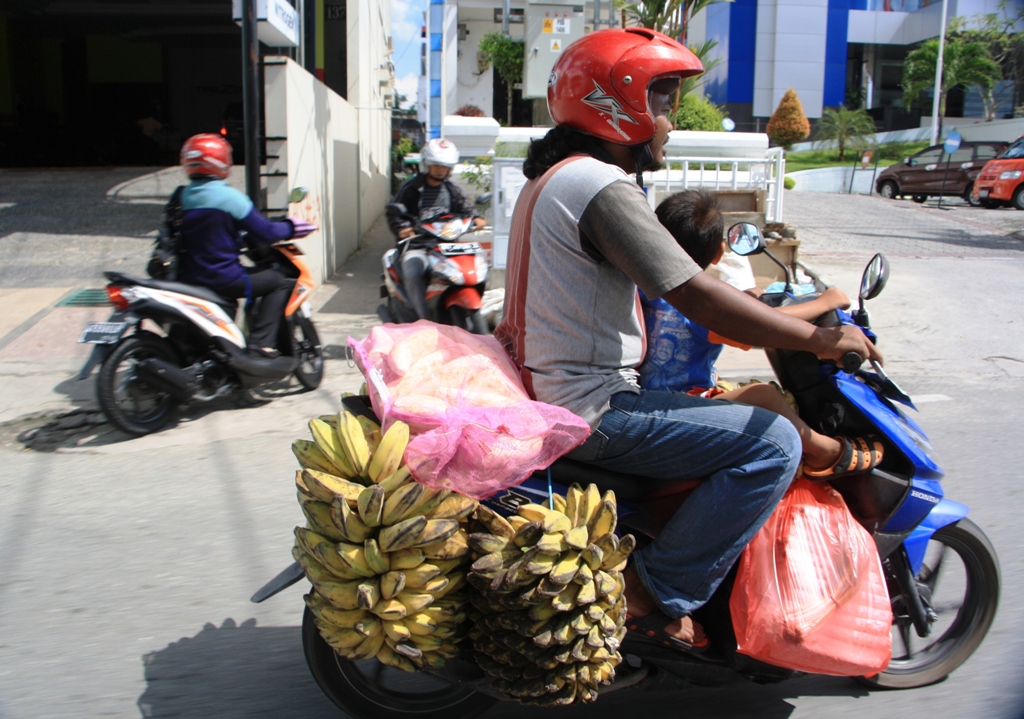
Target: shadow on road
<point x="233" y="672"/>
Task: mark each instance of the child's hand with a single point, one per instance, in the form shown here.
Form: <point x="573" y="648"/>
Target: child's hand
<point x="835" y="299"/>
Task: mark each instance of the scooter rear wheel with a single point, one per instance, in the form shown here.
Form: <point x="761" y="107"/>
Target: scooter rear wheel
<point x="961" y="565"/>
<point x="127" y="402"/>
<point x="371" y="690"/>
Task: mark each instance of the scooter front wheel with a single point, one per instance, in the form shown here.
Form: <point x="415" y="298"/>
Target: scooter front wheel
<point x="469" y="320"/>
<point x="959" y="583"/>
<point x="306" y="348"/>
<point x="371" y="690"/>
<point x="127" y="402"/>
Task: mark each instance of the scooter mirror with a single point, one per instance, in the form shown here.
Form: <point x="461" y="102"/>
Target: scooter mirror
<point x="298" y="194"/>
<point x="483" y="200"/>
<point x="745" y="239"/>
<point x="876" y="274"/>
<point x="394" y="209"/>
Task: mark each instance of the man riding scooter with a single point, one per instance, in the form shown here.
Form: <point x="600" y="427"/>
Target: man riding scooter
<point x="429" y="194"/>
<point x="213" y="217"/>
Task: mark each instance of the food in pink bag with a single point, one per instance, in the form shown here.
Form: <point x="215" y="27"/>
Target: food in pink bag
<point x="809" y="593"/>
<point x="474" y="428"/>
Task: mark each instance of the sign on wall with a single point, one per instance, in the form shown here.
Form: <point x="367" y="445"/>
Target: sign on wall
<point x="277" y="22"/>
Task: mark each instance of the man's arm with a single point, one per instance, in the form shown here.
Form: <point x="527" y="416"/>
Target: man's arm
<point x="738" y="316"/>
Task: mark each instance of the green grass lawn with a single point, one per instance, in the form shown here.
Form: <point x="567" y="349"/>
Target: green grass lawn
<point x="814" y="159"/>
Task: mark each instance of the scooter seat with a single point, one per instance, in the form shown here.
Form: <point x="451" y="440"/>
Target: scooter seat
<point x="203" y="293"/>
<point x="627" y="487"/>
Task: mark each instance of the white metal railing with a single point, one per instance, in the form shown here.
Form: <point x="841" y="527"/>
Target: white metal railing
<point x="765" y="172"/>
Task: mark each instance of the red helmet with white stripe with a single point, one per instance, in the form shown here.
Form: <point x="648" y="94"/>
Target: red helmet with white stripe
<point x="206" y="154"/>
<point x="600" y="83"/>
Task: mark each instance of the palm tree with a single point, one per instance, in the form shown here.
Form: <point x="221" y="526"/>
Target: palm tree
<point x="844" y="125"/>
<point x="963" y="63"/>
<point x="668" y="16"/>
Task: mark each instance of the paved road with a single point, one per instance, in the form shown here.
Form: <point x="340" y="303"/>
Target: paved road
<point x="126" y="565"/>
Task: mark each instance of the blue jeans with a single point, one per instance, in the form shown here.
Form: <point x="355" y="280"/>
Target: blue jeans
<point x="748" y="456"/>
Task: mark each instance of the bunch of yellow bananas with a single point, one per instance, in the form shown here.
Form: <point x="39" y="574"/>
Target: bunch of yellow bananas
<point x="549" y="615"/>
<point x="385" y="554"/>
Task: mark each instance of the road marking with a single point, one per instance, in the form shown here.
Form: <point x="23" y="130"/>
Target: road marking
<point x="925" y="398"/>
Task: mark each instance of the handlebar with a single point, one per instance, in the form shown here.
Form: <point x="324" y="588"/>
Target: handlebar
<point x="851" y="361"/>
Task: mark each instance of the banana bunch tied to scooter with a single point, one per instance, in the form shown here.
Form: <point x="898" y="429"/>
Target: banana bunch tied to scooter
<point x="384" y="553"/>
<point x="548" y="617"/>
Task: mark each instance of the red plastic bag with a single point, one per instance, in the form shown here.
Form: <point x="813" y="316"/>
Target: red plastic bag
<point x="473" y="427"/>
<point x="809" y="593"/>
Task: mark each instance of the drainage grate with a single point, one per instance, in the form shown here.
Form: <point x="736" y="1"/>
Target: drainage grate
<point x="85" y="298"/>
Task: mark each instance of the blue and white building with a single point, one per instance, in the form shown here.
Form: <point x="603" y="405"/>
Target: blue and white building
<point x="826" y="50"/>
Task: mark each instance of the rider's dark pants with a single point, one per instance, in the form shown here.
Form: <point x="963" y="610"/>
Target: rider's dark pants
<point x="273" y="289"/>
<point x="414" y="278"/>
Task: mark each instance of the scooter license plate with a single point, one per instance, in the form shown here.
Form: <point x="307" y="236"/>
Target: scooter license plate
<point x="103" y="333"/>
<point x="459" y="248"/>
<point x="983" y="194"/>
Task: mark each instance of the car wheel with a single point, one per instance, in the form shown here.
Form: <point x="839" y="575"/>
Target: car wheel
<point x="970" y="198"/>
<point x="1018" y="198"/>
<point x="889" y="190"/>
<point x="920" y="199"/>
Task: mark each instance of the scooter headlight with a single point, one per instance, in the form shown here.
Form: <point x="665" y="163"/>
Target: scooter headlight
<point x="451" y="230"/>
<point x="449" y="270"/>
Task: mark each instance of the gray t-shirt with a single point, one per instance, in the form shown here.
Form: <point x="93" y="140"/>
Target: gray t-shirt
<point x="582" y="239"/>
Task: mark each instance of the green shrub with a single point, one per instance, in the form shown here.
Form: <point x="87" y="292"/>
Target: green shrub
<point x="788" y="182"/>
<point x="788" y="124"/>
<point x="699" y="114"/>
<point x="478" y="173"/>
<point x="898" y="150"/>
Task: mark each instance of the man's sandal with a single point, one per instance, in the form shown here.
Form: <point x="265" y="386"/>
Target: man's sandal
<point x="649" y="631"/>
<point x="859" y="454"/>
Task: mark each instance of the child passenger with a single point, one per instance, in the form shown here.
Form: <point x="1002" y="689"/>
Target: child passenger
<point x="695" y="220"/>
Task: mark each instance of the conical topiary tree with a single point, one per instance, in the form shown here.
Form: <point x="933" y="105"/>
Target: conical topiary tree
<point x="788" y="124"/>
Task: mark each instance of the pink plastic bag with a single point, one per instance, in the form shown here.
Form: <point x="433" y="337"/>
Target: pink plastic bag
<point x="810" y="594"/>
<point x="473" y="427"/>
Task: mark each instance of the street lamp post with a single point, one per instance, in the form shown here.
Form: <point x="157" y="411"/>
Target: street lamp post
<point x="936" y="121"/>
<point x="251" y="100"/>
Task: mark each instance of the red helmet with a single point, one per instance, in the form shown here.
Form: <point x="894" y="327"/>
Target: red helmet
<point x="206" y="154"/>
<point x="599" y="85"/>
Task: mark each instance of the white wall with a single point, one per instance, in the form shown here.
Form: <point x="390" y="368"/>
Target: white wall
<point x="338" y="151"/>
<point x="474" y="89"/>
<point x="790" y="54"/>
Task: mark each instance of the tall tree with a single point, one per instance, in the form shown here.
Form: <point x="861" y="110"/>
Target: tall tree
<point x="963" y="63"/>
<point x="506" y="54"/>
<point x="845" y="126"/>
<point x="1006" y="48"/>
<point x="671" y="17"/>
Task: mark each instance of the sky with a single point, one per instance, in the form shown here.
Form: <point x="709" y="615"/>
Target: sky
<point x="406" y="22"/>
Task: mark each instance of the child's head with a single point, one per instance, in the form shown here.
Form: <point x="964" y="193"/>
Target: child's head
<point x="695" y="219"/>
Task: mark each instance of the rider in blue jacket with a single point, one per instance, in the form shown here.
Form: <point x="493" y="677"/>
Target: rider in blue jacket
<point x="214" y="215"/>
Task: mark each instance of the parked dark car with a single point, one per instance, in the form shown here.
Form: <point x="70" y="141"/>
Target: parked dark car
<point x="926" y="174"/>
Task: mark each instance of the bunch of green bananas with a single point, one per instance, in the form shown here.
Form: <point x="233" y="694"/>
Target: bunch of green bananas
<point x="385" y="554"/>
<point x="548" y="618"/>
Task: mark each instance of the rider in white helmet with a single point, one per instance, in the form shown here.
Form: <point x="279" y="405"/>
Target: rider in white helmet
<point x="427" y="195"/>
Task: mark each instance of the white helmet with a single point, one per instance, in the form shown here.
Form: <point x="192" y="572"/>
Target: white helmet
<point x="439" y="152"/>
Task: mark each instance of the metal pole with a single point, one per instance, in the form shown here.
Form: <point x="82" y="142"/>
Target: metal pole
<point x="938" y="77"/>
<point x="945" y="172"/>
<point x="506" y="9"/>
<point x="251" y="101"/>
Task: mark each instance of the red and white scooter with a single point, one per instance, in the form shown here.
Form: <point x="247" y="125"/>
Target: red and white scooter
<point x="458" y="273"/>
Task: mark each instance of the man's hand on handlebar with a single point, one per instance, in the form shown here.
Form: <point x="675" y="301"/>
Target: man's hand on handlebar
<point x="480" y="223"/>
<point x="406" y="233"/>
<point x="301" y="228"/>
<point x="844" y="339"/>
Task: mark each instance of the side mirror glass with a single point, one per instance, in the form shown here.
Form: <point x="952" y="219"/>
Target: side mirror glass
<point x="745" y="239"/>
<point x="298" y="194"/>
<point x="874" y="278"/>
<point x="484" y="199"/>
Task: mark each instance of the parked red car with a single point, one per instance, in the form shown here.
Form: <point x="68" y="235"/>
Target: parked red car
<point x="926" y="174"/>
<point x="1001" y="181"/>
